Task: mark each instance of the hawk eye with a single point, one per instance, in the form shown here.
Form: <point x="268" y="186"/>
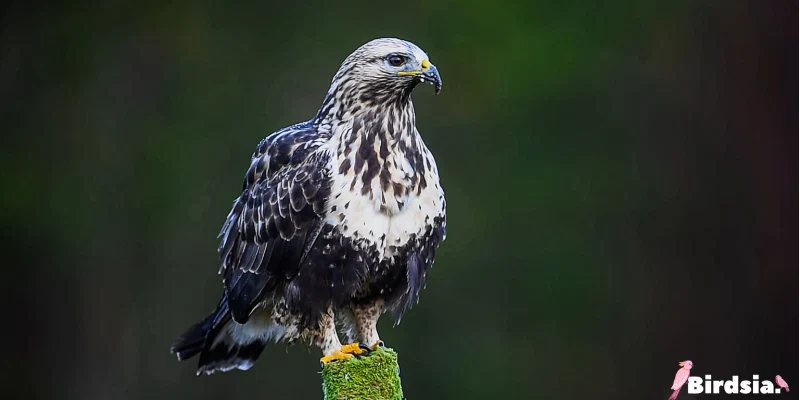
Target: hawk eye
<point x="396" y="60"/>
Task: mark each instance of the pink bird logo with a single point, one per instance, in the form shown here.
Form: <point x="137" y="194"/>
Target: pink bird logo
<point x="680" y="378"/>
<point x="781" y="382"/>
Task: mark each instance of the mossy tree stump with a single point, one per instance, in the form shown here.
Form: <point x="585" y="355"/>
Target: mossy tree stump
<point x="375" y="377"/>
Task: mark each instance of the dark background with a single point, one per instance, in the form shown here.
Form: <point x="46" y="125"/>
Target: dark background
<point x="621" y="182"/>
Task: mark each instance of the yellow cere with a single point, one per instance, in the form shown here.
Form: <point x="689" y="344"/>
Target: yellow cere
<point x="425" y="66"/>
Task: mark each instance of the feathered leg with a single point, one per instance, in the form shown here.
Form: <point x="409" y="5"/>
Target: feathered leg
<point x="328" y="340"/>
<point x="364" y="322"/>
<point x="326" y="337"/>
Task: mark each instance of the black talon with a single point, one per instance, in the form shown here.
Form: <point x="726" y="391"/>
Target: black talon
<point x="380" y="343"/>
<point x="322" y="365"/>
<point x="366" y="349"/>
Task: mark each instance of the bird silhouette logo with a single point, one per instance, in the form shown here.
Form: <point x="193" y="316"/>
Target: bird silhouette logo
<point x="782" y="383"/>
<point x="680" y="378"/>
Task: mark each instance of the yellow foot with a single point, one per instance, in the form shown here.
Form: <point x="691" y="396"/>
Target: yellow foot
<point x="354" y="348"/>
<point x="347" y="352"/>
<point x="378" y="345"/>
<point x="336" y="355"/>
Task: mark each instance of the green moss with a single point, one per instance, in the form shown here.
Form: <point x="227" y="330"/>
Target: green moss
<point x="373" y="377"/>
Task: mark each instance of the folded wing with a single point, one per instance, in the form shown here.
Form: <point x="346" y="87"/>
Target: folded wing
<point x="276" y="219"/>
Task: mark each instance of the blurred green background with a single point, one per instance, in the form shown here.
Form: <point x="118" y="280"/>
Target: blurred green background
<point x="621" y="182"/>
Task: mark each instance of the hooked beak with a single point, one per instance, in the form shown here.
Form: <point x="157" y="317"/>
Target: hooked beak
<point x="432" y="75"/>
<point x="429" y="73"/>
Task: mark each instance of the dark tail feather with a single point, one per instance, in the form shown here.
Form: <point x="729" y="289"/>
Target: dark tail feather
<point x="191" y="342"/>
<point x="224" y="344"/>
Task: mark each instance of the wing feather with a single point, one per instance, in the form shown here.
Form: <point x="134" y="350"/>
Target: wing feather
<point x="276" y="219"/>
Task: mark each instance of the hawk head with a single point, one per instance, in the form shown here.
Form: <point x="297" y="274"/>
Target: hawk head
<point x="387" y="66"/>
